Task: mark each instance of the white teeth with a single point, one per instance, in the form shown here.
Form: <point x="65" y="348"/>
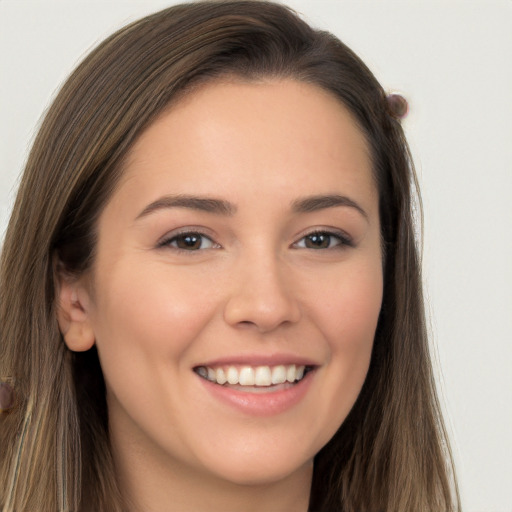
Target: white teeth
<point x="232" y="375"/>
<point x="278" y="374"/>
<point x="220" y="376"/>
<point x="246" y="376"/>
<point x="263" y="376"/>
<point x="290" y="373"/>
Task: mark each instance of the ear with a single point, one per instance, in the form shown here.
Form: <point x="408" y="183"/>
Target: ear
<point x="73" y="314"/>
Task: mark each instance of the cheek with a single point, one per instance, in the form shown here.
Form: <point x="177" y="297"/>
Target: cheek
<point x="149" y="316"/>
<point x="348" y="305"/>
<point x="358" y="308"/>
<point x="350" y="321"/>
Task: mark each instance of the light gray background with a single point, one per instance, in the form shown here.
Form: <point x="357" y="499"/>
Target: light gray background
<point x="453" y="61"/>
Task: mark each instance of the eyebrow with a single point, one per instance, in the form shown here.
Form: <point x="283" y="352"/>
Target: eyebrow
<point x="222" y="207"/>
<point x="205" y="204"/>
<point x="320" y="202"/>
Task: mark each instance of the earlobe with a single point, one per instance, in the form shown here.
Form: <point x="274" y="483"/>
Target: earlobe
<point x="73" y="315"/>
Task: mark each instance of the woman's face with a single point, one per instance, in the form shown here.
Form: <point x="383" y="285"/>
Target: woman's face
<point x="242" y="243"/>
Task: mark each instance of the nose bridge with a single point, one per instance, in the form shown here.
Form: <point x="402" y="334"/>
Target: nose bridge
<point x="261" y="294"/>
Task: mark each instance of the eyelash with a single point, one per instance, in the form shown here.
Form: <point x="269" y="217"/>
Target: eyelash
<point x="174" y="239"/>
<point x="343" y="240"/>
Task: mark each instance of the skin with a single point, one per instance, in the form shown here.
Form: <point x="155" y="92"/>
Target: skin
<point x="256" y="286"/>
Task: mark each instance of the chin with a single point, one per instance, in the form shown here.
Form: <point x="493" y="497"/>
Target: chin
<point x="246" y="470"/>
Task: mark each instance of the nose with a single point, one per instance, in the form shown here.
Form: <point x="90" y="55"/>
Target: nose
<point x="262" y="295"/>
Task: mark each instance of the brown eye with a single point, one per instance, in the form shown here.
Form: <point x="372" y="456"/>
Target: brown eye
<point x="318" y="241"/>
<point x="324" y="240"/>
<point x="189" y="242"/>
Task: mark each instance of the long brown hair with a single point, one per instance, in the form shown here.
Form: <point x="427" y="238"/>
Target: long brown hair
<point x="391" y="453"/>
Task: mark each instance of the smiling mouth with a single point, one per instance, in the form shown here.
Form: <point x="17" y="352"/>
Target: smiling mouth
<point x="254" y="378"/>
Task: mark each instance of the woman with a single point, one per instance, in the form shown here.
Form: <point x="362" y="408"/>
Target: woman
<point x="210" y="287"/>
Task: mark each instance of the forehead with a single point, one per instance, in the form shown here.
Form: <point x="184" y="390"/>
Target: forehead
<point x="251" y="135"/>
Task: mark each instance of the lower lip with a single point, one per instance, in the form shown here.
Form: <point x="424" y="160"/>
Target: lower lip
<point x="261" y="404"/>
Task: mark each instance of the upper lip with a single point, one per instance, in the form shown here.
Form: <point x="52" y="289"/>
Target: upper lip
<point x="260" y="360"/>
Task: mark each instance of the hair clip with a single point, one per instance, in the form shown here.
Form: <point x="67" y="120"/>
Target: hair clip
<point x="397" y="105"/>
<point x="6" y="394"/>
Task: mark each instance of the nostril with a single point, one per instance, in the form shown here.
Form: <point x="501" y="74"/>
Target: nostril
<point x="246" y="323"/>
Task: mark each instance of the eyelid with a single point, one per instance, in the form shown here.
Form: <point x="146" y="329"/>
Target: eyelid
<point x="344" y="238"/>
<point x="166" y="240"/>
